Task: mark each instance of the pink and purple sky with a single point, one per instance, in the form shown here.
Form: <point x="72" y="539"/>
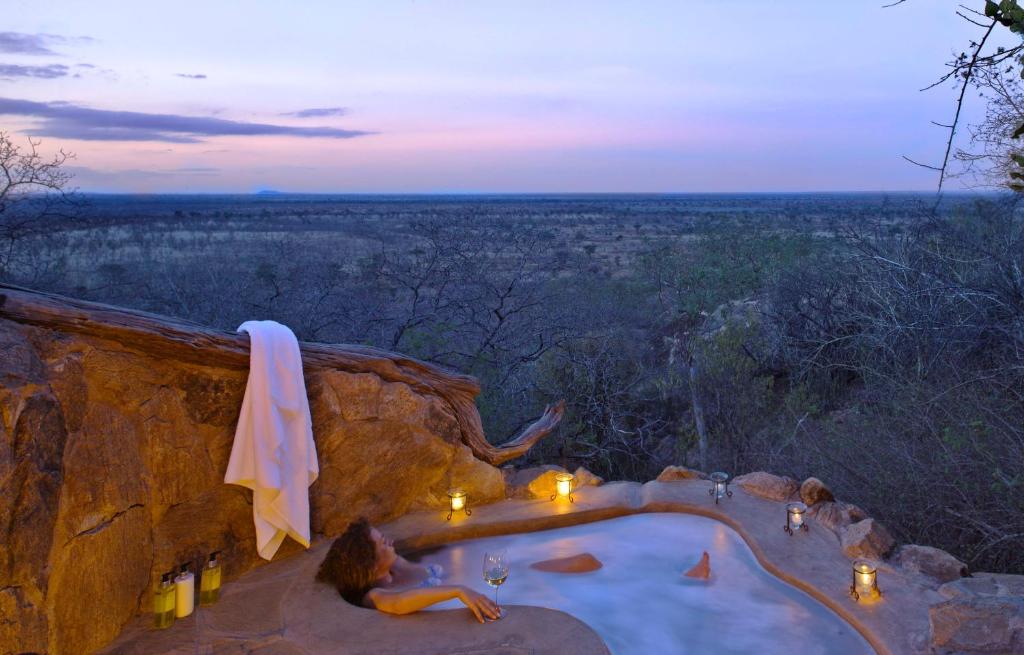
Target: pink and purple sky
<point x="445" y="96"/>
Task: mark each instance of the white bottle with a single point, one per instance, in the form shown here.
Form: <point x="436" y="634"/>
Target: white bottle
<point x="184" y="593"/>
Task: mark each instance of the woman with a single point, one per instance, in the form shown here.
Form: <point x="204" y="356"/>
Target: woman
<point x="365" y="569"/>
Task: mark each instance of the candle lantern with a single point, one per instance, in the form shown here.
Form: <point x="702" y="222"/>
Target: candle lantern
<point x="459" y="501"/>
<point x="719" y="486"/>
<point x="865" y="581"/>
<point x="795" y="519"/>
<point x="563" y="486"/>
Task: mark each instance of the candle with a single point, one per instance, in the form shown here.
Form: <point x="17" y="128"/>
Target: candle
<point x="865" y="581"/>
<point x="457" y="500"/>
<point x="795" y="517"/>
<point x="563" y="486"/>
<point x="719" y="485"/>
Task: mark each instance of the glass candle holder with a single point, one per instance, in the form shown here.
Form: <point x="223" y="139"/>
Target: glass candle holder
<point x="719" y="486"/>
<point x="865" y="581"/>
<point x="458" y="501"/>
<point x="564" y="483"/>
<point x="795" y="519"/>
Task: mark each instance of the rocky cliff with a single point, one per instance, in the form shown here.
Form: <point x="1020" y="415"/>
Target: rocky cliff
<point x="115" y="430"/>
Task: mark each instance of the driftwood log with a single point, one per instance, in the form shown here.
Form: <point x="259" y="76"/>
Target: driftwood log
<point x="163" y="336"/>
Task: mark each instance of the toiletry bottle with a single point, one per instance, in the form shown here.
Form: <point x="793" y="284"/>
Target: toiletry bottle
<point x="163" y="602"/>
<point x="184" y="593"/>
<point x="209" y="581"/>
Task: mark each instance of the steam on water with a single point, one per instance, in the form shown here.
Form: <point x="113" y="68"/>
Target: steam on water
<point x="639" y="602"/>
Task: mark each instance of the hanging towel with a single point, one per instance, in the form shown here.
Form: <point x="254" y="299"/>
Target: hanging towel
<point x="273" y="453"/>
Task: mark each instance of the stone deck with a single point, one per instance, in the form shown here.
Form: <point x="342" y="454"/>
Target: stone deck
<point x="279" y="609"/>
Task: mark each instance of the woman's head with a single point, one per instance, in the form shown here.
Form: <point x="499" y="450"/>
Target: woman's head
<point x="357" y="560"/>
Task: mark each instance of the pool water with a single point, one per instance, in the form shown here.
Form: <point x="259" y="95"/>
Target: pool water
<point x="640" y="602"/>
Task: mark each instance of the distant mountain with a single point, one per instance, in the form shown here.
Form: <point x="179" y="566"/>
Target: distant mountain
<point x="269" y="192"/>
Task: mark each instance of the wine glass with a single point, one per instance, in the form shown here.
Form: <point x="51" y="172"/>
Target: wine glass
<point x="495" y="574"/>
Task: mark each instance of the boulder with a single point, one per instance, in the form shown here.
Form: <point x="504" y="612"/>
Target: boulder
<point x="984" y="614"/>
<point x="985" y="584"/>
<point x="932" y="562"/>
<point x="539" y="481"/>
<point x="814" y="491"/>
<point x="585" y="478"/>
<point x="674" y="473"/>
<point x="532" y="482"/>
<point x="113" y="446"/>
<point x="868" y="539"/>
<point x="980" y="625"/>
<point x="836" y="515"/>
<point x="767" y="485"/>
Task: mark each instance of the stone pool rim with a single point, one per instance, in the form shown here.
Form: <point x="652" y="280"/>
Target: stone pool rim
<point x="887" y="626"/>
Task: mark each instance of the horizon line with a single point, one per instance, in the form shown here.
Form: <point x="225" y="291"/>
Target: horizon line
<point x="544" y="193"/>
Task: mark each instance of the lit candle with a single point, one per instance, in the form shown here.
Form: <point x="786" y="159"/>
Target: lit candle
<point x="563" y="485"/>
<point x="457" y="499"/>
<point x="719" y="485"/>
<point x="864" y="580"/>
<point x="795" y="517"/>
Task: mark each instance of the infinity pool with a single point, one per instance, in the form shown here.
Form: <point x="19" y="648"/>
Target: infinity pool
<point x="639" y="602"/>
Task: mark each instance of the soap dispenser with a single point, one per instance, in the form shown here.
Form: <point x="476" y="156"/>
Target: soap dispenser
<point x="209" y="581"/>
<point x="163" y="602"/>
<point x="184" y="593"/>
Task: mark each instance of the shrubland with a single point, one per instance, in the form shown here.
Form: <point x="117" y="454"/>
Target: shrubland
<point x="874" y="342"/>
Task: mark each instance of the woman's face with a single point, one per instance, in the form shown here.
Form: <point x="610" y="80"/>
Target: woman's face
<point x="386" y="555"/>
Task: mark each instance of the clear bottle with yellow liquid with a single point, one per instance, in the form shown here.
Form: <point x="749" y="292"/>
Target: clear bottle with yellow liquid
<point x="209" y="582"/>
<point x="163" y="602"/>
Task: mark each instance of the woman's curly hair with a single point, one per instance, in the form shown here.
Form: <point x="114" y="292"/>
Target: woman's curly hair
<point x="351" y="562"/>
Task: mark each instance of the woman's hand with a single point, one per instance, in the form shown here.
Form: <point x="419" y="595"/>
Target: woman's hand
<point x="480" y="604"/>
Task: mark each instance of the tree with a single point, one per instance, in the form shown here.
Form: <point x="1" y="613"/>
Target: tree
<point x="34" y="192"/>
<point x="977" y="60"/>
<point x="992" y="159"/>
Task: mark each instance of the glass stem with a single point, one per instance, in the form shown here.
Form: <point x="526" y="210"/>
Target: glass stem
<point x="495" y="596"/>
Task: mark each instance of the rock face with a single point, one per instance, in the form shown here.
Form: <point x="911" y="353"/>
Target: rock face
<point x="814" y="491"/>
<point x="984" y="614"/>
<point x="868" y="539"/>
<point x="932" y="562"/>
<point x="112" y="459"/>
<point x="766" y="485"/>
<point x="673" y="473"/>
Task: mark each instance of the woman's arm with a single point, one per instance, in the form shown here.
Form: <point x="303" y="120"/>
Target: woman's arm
<point x="407" y="601"/>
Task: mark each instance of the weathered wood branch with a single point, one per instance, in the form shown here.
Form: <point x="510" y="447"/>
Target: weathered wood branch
<point x="165" y="337"/>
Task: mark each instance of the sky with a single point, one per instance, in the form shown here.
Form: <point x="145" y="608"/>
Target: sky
<point x="484" y="96"/>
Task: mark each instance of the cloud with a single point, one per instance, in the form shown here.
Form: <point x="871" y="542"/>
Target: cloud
<point x="134" y="179"/>
<point x="47" y="72"/>
<point x="192" y="76"/>
<point x="195" y="170"/>
<point x="70" y="121"/>
<point x="317" y="112"/>
<point x="36" y="44"/>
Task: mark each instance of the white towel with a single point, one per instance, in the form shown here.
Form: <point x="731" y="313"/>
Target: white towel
<point x="273" y="453"/>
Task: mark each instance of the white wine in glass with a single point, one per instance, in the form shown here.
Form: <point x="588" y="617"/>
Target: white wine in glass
<point x="495" y="574"/>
